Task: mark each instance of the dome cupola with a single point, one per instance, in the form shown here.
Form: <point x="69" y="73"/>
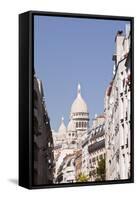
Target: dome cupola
<point x="79" y="112"/>
<point x="62" y="129"/>
<point x="79" y="104"/>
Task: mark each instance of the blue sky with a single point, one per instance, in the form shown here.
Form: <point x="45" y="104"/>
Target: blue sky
<point x="68" y="51"/>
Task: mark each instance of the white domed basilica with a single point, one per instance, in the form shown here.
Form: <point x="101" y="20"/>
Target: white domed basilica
<point x="79" y="112"/>
<point x="78" y="123"/>
<point x="67" y="140"/>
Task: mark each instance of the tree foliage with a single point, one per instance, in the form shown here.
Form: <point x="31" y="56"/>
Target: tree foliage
<point x="82" y="178"/>
<point x="101" y="172"/>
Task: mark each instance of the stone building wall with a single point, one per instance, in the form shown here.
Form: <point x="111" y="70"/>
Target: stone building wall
<point x="43" y="141"/>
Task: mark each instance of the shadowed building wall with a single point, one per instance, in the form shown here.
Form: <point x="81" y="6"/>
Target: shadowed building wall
<point x="43" y="141"/>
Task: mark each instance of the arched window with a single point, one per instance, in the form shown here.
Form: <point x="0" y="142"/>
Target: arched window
<point x="85" y="124"/>
<point x="76" y="124"/>
<point x="82" y="124"/>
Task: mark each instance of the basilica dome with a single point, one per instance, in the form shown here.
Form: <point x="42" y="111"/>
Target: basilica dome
<point x="71" y="126"/>
<point x="62" y="129"/>
<point x="79" y="104"/>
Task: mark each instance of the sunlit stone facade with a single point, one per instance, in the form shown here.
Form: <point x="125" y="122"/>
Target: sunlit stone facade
<point x="117" y="112"/>
<point x="96" y="146"/>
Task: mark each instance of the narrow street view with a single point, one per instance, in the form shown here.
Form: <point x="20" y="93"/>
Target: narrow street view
<point x="82" y="117"/>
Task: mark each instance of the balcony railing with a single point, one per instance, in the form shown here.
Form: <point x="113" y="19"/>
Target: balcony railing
<point x="96" y="146"/>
